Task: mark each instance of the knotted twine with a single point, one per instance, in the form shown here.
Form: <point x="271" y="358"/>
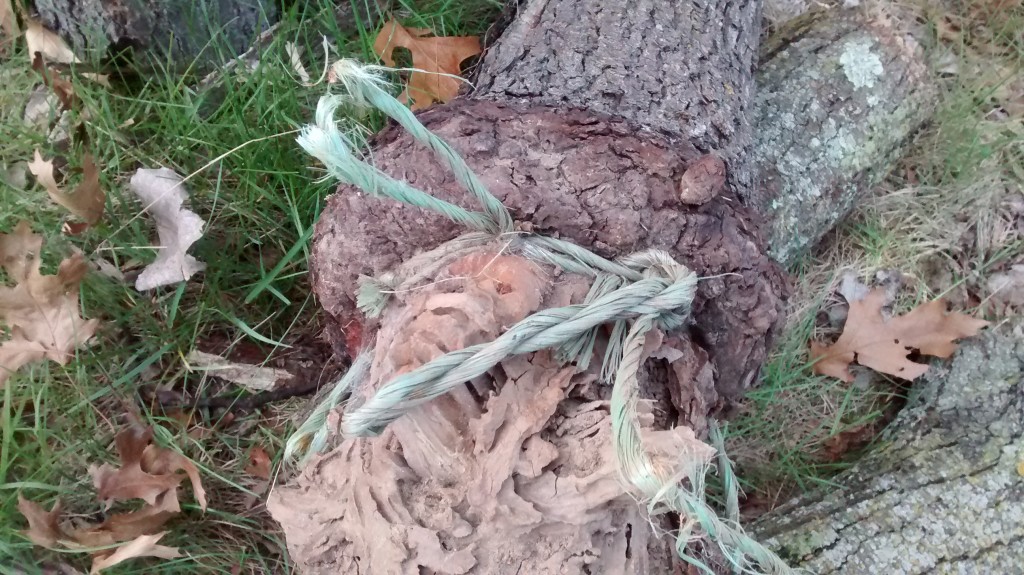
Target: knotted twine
<point x="649" y="288"/>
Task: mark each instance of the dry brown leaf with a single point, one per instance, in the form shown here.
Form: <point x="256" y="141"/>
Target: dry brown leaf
<point x="40" y="40"/>
<point x="259" y="463"/>
<point x="123" y="527"/>
<point x="45" y="529"/>
<point x="883" y="346"/>
<point x="147" y="472"/>
<point x="43" y="526"/>
<point x="162" y="193"/>
<point x="8" y="25"/>
<point x="61" y="88"/>
<point x="142" y="546"/>
<point x="86" y="201"/>
<point x="42" y="312"/>
<point x="436" y="60"/>
<point x="158" y="460"/>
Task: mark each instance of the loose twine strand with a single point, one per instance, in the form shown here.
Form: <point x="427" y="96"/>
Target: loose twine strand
<point x="649" y="288"/>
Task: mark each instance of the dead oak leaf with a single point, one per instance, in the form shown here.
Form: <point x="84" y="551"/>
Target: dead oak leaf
<point x="141" y="546"/>
<point x="123" y="527"/>
<point x="63" y="89"/>
<point x="43" y="526"/>
<point x="883" y="346"/>
<point x="41" y="311"/>
<point x="53" y="49"/>
<point x="148" y="472"/>
<point x="162" y="193"/>
<point x="86" y="201"/>
<point x="436" y="60"/>
<point x="8" y="25"/>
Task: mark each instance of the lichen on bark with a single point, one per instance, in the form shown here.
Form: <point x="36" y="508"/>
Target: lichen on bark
<point x="943" y="493"/>
<point x="836" y="102"/>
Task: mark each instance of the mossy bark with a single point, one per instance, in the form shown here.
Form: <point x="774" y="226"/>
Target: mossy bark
<point x="943" y="494"/>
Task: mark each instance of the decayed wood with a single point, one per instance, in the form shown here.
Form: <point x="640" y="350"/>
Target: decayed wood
<point x="944" y="494"/>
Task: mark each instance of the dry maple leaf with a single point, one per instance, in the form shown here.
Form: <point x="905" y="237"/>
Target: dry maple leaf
<point x="40" y="310"/>
<point x="436" y="60"/>
<point x="883" y="346"/>
<point x="142" y="546"/>
<point x="86" y="201"/>
<point x="147" y="472"/>
<point x="162" y="195"/>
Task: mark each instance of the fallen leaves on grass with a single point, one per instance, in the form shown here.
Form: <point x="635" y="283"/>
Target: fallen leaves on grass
<point x="436" y="60"/>
<point x="142" y="546"/>
<point x="148" y="472"/>
<point x="41" y="311"/>
<point x="883" y="346"/>
<point x="43" y="526"/>
<point x="162" y="193"/>
<point x="46" y="530"/>
<point x="40" y="40"/>
<point x="86" y="201"/>
<point x="63" y="89"/>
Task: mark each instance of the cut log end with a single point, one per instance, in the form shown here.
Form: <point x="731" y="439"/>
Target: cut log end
<point x="586" y="178"/>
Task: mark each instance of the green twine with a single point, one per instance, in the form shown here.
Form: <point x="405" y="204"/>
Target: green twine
<point x="650" y="288"/>
<point x="311" y="436"/>
<point x="543" y="330"/>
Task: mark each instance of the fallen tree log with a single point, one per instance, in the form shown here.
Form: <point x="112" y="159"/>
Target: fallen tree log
<point x="574" y="155"/>
<point x="612" y="182"/>
<point x="169" y="31"/>
<point x="943" y="492"/>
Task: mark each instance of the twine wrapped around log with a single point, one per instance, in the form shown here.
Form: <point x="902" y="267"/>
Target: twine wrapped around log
<point x="649" y="288"/>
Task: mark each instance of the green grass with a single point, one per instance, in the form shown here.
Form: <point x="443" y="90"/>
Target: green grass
<point x="940" y="219"/>
<point x="252" y="186"/>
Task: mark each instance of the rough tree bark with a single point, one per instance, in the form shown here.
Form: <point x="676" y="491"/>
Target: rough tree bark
<point x="610" y="182"/>
<point x="156" y="28"/>
<point x="945" y="494"/>
<point x="587" y="115"/>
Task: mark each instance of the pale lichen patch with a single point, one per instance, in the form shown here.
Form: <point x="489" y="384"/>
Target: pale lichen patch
<point x="860" y="64"/>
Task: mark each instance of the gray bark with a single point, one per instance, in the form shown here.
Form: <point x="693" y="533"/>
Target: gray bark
<point x="838" y="95"/>
<point x="943" y="494"/>
<point x="158" y="28"/>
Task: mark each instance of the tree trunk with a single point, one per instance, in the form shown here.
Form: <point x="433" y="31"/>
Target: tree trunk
<point x="588" y="115"/>
<point x="943" y="493"/>
<point x="168" y="30"/>
<point x="837" y="97"/>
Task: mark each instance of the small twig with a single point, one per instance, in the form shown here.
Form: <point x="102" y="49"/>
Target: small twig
<point x="249" y="402"/>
